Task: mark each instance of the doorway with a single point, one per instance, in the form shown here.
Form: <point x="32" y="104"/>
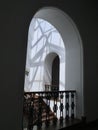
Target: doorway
<point x="61" y="36"/>
<point x="55" y="74"/>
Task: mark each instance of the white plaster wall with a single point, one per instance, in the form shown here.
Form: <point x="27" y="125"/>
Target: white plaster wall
<point x="40" y="54"/>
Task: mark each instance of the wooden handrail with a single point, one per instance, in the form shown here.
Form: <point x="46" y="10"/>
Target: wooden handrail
<point x="42" y="92"/>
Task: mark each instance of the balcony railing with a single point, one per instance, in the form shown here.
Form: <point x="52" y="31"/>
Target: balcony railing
<point x="50" y="106"/>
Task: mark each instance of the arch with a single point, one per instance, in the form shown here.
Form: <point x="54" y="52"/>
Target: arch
<point x="72" y="47"/>
<point x="55" y="74"/>
<point x="51" y="75"/>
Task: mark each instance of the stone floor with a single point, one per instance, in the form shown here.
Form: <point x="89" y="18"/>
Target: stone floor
<point x="58" y="125"/>
<point x="68" y="125"/>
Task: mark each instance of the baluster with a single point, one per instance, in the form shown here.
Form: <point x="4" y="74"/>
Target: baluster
<point x="30" y="113"/>
<point x="39" y="122"/>
<point x="72" y="105"/>
<point x="61" y="107"/>
<point x="47" y="109"/>
<point x="55" y="107"/>
<point x="67" y="106"/>
<point x="35" y="110"/>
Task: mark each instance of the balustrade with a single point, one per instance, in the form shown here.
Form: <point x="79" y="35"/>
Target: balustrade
<point x="45" y="107"/>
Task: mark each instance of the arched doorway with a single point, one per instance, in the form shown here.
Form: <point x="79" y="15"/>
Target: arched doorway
<point x="70" y="53"/>
<point x="55" y="74"/>
<point x="52" y="72"/>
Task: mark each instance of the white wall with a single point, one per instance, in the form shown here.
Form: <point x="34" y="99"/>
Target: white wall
<point x="44" y="43"/>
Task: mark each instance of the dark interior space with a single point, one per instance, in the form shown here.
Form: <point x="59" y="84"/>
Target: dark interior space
<point x="15" y="17"/>
<point x="55" y="74"/>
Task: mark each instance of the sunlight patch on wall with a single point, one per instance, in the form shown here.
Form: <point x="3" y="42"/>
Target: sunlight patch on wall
<point x="43" y="38"/>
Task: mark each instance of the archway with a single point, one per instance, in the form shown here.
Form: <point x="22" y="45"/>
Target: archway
<point x="52" y="70"/>
<point x="73" y="51"/>
<point x="55" y="74"/>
